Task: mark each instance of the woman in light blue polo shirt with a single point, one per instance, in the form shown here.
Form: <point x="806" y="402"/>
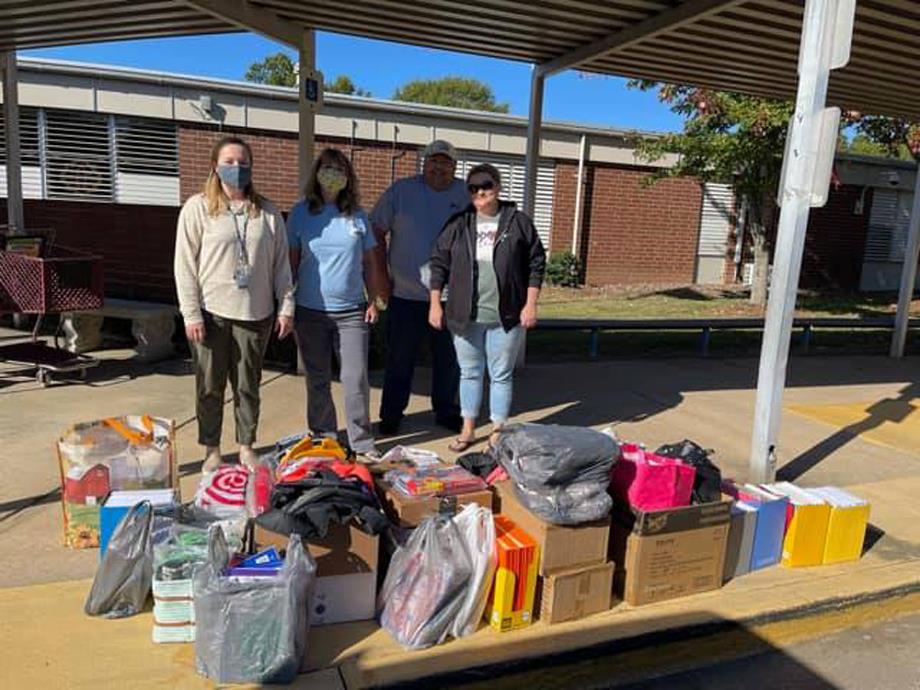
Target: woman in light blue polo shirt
<point x="337" y="273"/>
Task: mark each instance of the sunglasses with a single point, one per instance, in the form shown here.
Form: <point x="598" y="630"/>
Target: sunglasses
<point x="485" y="186"/>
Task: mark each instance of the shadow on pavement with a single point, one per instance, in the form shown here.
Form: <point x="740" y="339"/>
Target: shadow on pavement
<point x="674" y="656"/>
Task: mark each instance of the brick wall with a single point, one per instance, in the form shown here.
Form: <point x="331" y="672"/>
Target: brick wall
<point x="135" y="241"/>
<point x="275" y="163"/>
<point x="835" y="241"/>
<point x="631" y="233"/>
<point x="654" y="231"/>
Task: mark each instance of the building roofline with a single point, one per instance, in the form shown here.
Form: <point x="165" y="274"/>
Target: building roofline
<point x="283" y="93"/>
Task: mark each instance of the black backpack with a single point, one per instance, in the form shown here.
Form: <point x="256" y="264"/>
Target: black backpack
<point x="707" y="487"/>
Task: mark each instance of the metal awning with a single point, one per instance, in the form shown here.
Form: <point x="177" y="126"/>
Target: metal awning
<point x="747" y="46"/>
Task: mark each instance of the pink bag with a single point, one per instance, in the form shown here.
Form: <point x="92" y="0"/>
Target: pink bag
<point x="651" y="482"/>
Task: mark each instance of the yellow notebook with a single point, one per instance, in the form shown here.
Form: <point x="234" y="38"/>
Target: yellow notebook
<point x="846" y="528"/>
<point x="807" y="534"/>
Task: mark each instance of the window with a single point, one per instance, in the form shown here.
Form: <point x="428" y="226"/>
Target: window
<point x="28" y="136"/>
<point x="79" y="160"/>
<point x="146" y="147"/>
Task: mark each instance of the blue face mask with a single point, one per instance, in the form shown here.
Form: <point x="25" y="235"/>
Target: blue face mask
<point x="236" y="176"/>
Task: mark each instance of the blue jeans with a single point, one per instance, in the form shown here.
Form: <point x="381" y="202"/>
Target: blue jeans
<point x="482" y="345"/>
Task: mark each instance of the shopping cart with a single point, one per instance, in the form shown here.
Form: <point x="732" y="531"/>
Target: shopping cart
<point x="61" y="280"/>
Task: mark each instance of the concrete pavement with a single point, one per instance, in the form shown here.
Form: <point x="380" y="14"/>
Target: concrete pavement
<point x="873" y="448"/>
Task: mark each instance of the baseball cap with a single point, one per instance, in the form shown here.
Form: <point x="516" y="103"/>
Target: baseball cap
<point x="439" y="147"/>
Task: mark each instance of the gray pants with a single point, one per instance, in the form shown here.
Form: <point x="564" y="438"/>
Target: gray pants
<point x="319" y="334"/>
<point x="234" y="349"/>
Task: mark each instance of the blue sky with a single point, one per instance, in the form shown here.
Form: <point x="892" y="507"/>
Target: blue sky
<point x="380" y="67"/>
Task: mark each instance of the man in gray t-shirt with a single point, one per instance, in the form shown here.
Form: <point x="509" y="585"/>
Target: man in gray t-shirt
<point x="411" y="215"/>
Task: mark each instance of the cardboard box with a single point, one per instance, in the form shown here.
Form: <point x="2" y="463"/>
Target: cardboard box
<point x="346" y="569"/>
<point x="344" y="551"/>
<point x="409" y="512"/>
<point x="574" y="594"/>
<point x="561" y="547"/>
<point x="671" y="553"/>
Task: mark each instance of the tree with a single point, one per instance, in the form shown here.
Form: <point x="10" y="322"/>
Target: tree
<point x="890" y="136"/>
<point x="727" y="137"/>
<point x="275" y="70"/>
<point x="455" y="92"/>
<point x="344" y="84"/>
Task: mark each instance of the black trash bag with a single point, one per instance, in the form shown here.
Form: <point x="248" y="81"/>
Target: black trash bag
<point x="481" y="464"/>
<point x="707" y="486"/>
<point x="123" y="578"/>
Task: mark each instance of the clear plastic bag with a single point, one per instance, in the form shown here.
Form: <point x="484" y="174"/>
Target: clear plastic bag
<point x="426" y="586"/>
<point x="122" y="581"/>
<point x="561" y="473"/>
<point x="478" y="530"/>
<point x="252" y="629"/>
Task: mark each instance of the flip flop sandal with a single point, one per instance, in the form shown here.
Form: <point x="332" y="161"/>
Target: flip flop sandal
<point x="458" y="445"/>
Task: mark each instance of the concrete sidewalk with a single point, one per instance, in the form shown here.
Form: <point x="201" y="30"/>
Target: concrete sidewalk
<point x="850" y="421"/>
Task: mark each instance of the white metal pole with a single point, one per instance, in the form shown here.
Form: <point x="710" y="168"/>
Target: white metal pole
<point x="579" y="184"/>
<point x="818" y="54"/>
<point x="908" y="275"/>
<point x="13" y="152"/>
<point x="306" y="116"/>
<point x="534" y="127"/>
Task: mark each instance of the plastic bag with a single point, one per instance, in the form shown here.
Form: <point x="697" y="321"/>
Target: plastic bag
<point x="426" y="586"/>
<point x="478" y="530"/>
<point x="651" y="482"/>
<point x="122" y="582"/>
<point x="252" y="629"/>
<point x="259" y="489"/>
<point x="707" y="484"/>
<point x="560" y="473"/>
<point x="223" y="491"/>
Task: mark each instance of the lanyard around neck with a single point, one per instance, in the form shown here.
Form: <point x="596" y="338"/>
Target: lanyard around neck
<point x="241" y="233"/>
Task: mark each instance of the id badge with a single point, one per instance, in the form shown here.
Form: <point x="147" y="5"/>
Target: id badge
<point x="241" y="275"/>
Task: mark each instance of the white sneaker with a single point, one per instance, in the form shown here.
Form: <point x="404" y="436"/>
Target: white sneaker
<point x="212" y="459"/>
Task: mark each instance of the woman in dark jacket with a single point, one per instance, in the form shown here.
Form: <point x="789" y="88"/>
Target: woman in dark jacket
<point x="491" y="260"/>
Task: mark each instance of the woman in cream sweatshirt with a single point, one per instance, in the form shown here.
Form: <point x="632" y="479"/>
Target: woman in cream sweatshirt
<point x="231" y="268"/>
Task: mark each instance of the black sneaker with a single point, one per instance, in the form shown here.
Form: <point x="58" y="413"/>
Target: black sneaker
<point x="388" y="427"/>
<point x="452" y="422"/>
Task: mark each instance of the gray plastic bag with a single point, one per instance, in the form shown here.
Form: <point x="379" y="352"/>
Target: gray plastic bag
<point x="560" y="473"/>
<point x="252" y="629"/>
<point x="122" y="581"/>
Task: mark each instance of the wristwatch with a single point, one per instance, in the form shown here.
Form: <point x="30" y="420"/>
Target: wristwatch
<point x="380" y="303"/>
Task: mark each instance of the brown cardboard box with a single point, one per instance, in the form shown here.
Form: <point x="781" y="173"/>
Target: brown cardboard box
<point x="667" y="554"/>
<point x="561" y="547"/>
<point x="574" y="594"/>
<point x="344" y="551"/>
<point x="346" y="570"/>
<point x="409" y="512"/>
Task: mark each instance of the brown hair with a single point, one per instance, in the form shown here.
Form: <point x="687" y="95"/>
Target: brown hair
<point x="348" y="200"/>
<point x="213" y="191"/>
<point x="487" y="168"/>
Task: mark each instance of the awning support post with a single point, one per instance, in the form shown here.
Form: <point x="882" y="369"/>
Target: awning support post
<point x="306" y="115"/>
<point x="826" y="33"/>
<point x="14" y="209"/>
<point x="908" y="275"/>
<point x="534" y="132"/>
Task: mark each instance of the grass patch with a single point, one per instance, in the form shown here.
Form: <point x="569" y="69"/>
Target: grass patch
<point x="700" y="301"/>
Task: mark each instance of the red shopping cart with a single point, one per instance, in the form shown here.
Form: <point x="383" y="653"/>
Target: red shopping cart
<point x="47" y="280"/>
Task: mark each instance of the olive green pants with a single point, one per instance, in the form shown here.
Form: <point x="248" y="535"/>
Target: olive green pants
<point x="234" y="350"/>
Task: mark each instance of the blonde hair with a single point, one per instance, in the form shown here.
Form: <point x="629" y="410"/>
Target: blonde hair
<point x="213" y="191"/>
<point x="348" y="200"/>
